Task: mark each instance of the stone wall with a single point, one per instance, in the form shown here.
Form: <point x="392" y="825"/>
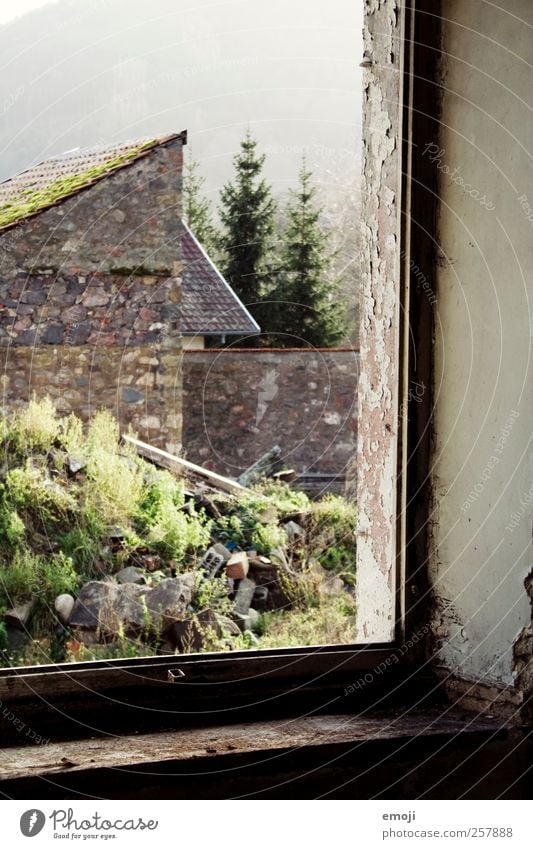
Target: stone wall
<point x="239" y="403"/>
<point x="89" y="299"/>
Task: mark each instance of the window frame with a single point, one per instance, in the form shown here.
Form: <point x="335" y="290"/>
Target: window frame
<point x="266" y="675"/>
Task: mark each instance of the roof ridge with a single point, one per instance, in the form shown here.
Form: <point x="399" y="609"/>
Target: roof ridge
<point x="34" y="199"/>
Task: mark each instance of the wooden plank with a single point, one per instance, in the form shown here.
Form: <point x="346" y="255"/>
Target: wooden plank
<point x="181" y="466"/>
<point x="249" y="737"/>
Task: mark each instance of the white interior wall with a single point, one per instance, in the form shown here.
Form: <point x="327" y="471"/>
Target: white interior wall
<point x="483" y="459"/>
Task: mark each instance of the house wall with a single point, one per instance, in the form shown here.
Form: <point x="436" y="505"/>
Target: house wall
<point x="89" y="293"/>
<point x="239" y="403"/>
<point x="483" y="457"/>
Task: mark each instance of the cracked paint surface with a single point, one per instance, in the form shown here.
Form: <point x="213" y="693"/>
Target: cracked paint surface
<point x="379" y="332"/>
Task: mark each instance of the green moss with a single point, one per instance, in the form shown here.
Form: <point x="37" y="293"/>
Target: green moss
<point x="31" y="201"/>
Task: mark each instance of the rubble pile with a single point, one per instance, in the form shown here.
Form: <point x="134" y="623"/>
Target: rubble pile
<point x="107" y="554"/>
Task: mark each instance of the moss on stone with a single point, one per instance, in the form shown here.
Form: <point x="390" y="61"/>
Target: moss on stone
<point x="30" y="201"/>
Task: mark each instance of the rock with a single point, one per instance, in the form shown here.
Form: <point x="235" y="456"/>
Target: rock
<point x="252" y="638"/>
<point x="189" y="635"/>
<point x="243" y="622"/>
<point x="255" y="617"/>
<point x="332" y="586"/>
<point x="131" y="575"/>
<point x="20" y="615"/>
<point x="168" y="602"/>
<point x="244" y="595"/>
<point x="152" y="562"/>
<point x="104" y="608"/>
<point x="63" y="606"/>
<point x="130" y="612"/>
<point x="260" y="598"/>
<point x="294" y="531"/>
<point x="237" y="566"/>
<point x="227" y="625"/>
<point x="116" y="532"/>
<point x="93" y="598"/>
<point x="76" y="463"/>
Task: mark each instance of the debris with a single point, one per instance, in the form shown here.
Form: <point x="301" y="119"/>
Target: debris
<point x="263" y="467"/>
<point x="131" y="575"/>
<point x="260" y="597"/>
<point x="268" y="516"/>
<point x="237" y="566"/>
<point x="215" y="558"/>
<point x="294" y="531"/>
<point x="19" y="616"/>
<point x="183" y="467"/>
<point x="244" y="595"/>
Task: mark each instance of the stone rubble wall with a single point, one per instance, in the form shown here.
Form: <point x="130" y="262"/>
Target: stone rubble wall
<point x="239" y="403"/>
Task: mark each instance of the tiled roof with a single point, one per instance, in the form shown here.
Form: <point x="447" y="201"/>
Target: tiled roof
<point x="209" y="305"/>
<point x="56" y="178"/>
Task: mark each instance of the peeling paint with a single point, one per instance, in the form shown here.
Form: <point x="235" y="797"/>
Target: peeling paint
<point x="379" y="335"/>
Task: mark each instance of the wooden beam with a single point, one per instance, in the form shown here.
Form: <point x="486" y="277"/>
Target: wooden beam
<point x="181" y="466"/>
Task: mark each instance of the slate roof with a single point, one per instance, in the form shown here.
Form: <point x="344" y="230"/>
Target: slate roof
<point x="209" y="306"/>
<point x="59" y="177"/>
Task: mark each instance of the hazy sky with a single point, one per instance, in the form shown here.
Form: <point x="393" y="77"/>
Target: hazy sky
<point x="82" y="72"/>
<point x="10" y="9"/>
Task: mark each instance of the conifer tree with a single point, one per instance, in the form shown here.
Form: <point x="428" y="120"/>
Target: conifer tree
<point x="247" y="211"/>
<point x="197" y="208"/>
<point x="305" y="307"/>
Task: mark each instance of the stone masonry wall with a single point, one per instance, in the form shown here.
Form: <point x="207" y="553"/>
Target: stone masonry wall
<point x="89" y="300"/>
<point x="239" y="403"/>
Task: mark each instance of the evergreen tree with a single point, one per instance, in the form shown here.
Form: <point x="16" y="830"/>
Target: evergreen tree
<point x="197" y="208"/>
<point x="247" y="211"/>
<point x="305" y="307"/>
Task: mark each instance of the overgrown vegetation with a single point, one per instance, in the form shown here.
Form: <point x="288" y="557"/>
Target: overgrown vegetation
<point x="77" y="505"/>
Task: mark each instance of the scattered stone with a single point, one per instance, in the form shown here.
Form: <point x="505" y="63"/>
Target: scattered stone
<point x="116" y="532"/>
<point x="243" y="621"/>
<point x="244" y="595"/>
<point x="20" y="615"/>
<point x="75" y="463"/>
<point x="260" y="598"/>
<point x="131" y="575"/>
<point x="132" y="396"/>
<point x="255" y="617"/>
<point x="130" y="611"/>
<point x="93" y="598"/>
<point x="189" y="635"/>
<point x="237" y="566"/>
<point x="152" y="562"/>
<point x="63" y="606"/>
<point x="168" y="602"/>
<point x="227" y="625"/>
<point x="294" y="531"/>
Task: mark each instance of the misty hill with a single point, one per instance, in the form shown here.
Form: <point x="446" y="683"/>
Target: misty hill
<point x="76" y="73"/>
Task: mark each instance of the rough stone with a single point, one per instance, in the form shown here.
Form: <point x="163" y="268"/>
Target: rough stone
<point x="63" y="606"/>
<point x="19" y="616"/>
<point x="131" y="575"/>
<point x="168" y="602"/>
<point x="244" y="595"/>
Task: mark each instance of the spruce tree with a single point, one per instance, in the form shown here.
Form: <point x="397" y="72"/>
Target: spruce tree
<point x="196" y="207"/>
<point x="247" y="211"/>
<point x="305" y="308"/>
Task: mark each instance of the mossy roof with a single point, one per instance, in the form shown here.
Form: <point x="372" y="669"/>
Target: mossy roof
<point x="59" y="177"/>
